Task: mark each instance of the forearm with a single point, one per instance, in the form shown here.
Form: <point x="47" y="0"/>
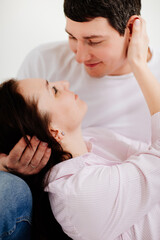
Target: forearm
<point x="119" y="196"/>
<point x="149" y="85"/>
<point x="138" y="53"/>
<point x="3" y="162"/>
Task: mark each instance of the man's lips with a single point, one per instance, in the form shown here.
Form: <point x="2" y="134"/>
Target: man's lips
<point x="91" y="65"/>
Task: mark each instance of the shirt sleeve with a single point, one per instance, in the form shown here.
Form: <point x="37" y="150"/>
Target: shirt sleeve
<point x="101" y="202"/>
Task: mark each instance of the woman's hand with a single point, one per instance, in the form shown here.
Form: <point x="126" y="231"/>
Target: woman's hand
<point x="137" y="57"/>
<point x="138" y="45"/>
<point x="25" y="160"/>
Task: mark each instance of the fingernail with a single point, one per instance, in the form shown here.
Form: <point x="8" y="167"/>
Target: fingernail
<point x="137" y="22"/>
<point x="44" y="144"/>
<point x="48" y="150"/>
<point x="29" y="138"/>
<point x="36" y="138"/>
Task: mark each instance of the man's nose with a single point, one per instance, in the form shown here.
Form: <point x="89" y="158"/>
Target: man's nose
<point x="82" y="52"/>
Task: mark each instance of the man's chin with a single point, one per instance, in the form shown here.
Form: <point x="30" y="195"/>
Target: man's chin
<point x="95" y="73"/>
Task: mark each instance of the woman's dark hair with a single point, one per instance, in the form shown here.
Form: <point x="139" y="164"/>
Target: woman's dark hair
<point x="20" y="118"/>
<point x="117" y="12"/>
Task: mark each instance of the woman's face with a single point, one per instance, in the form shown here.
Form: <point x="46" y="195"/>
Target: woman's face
<point x="64" y="107"/>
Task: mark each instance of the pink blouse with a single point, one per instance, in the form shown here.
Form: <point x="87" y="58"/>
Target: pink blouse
<point x="112" y="192"/>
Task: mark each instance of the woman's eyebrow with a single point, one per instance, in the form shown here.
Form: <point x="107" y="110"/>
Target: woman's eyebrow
<point x="47" y="85"/>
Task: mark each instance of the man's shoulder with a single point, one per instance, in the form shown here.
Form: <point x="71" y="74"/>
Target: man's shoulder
<point x="53" y="61"/>
<point x="61" y="47"/>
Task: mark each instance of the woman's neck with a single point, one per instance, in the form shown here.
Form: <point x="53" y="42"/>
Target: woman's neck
<point x="74" y="143"/>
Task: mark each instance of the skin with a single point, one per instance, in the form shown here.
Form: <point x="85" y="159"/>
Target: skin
<point x="22" y="165"/>
<point x="102" y="51"/>
<point x="56" y="100"/>
<point x="66" y="111"/>
<point x="24" y="160"/>
<point x="137" y="57"/>
<point x="99" y="46"/>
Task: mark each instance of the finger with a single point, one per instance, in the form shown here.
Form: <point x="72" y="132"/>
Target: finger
<point x="130" y="23"/>
<point x="16" y="153"/>
<point x="136" y="28"/>
<point x="140" y="37"/>
<point x="38" y="155"/>
<point x="43" y="162"/>
<point x="144" y="30"/>
<point x="29" y="152"/>
<point x="139" y="26"/>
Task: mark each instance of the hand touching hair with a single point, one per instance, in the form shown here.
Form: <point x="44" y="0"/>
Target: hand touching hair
<point x="21" y="118"/>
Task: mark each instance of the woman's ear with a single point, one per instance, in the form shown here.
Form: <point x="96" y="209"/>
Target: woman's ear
<point x="56" y="133"/>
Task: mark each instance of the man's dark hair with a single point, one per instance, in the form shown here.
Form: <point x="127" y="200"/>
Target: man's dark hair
<point x="117" y="12"/>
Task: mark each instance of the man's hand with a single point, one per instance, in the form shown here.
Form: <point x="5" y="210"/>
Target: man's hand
<point x="26" y="160"/>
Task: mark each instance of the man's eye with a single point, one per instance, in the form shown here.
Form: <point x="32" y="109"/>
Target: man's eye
<point x="94" y="43"/>
<point x="55" y="89"/>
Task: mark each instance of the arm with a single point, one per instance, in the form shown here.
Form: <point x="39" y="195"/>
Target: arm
<point x="137" y="56"/>
<point x="102" y="202"/>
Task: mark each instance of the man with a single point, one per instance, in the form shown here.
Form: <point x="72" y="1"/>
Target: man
<point x="95" y="64"/>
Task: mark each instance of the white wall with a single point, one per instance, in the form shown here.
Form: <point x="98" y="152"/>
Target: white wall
<point x="151" y="13"/>
<point x="24" y="24"/>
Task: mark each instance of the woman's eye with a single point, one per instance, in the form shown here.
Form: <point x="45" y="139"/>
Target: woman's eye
<point x="55" y="89"/>
<point x="72" y="38"/>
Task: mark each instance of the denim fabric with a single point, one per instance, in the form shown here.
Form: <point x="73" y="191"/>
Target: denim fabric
<point x="15" y="208"/>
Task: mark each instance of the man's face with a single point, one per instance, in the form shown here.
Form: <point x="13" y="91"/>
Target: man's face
<point x="98" y="46"/>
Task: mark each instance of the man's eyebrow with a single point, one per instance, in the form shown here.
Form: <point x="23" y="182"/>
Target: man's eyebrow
<point x="87" y="37"/>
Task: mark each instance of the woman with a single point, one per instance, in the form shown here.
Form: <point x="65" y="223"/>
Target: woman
<point x="89" y="186"/>
<point x="21" y="117"/>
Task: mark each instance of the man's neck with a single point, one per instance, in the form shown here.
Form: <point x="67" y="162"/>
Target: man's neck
<point x="127" y="69"/>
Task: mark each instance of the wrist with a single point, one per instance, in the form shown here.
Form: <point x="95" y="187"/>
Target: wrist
<point x="138" y="66"/>
<point x="3" y="161"/>
<point x="3" y="168"/>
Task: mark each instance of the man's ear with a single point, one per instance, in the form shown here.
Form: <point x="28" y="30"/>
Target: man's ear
<point x="56" y="133"/>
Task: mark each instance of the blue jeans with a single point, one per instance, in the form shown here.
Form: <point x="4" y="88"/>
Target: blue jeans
<point x="15" y="208"/>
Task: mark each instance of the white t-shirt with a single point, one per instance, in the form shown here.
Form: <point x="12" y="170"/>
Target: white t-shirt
<point x="115" y="102"/>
